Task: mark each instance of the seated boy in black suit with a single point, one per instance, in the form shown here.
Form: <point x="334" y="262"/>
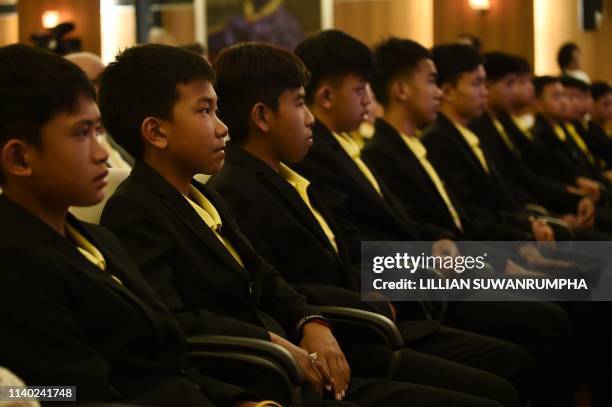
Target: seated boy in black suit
<point x="361" y="204"/>
<point x="160" y="105"/>
<point x="601" y="115"/>
<point x="526" y="184"/>
<point x="262" y="89"/>
<point x="459" y="155"/>
<point x="556" y="155"/>
<point x="75" y="310"/>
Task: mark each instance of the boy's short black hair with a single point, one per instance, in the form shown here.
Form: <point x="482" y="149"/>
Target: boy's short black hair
<point x="566" y="54"/>
<point x="540" y="82"/>
<point x="600" y="89"/>
<point x="333" y="54"/>
<point x="36" y="85"/>
<point x="524" y="67"/>
<point x="143" y="82"/>
<point x="395" y="57"/>
<point x="498" y="65"/>
<point x="571" y="82"/>
<point x="453" y="60"/>
<point x="251" y="73"/>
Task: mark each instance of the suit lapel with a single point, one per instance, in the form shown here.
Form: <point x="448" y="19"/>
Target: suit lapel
<point x="391" y="142"/>
<point x="323" y="135"/>
<point x="40" y="233"/>
<point x="178" y="204"/>
<point x="280" y="188"/>
<point x="286" y="192"/>
<point x="465" y="148"/>
<point x="388" y="202"/>
<point x="493" y="177"/>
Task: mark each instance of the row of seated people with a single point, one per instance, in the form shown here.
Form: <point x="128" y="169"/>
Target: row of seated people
<point x="222" y="268"/>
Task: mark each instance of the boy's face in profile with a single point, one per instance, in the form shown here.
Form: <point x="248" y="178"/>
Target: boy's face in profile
<point x="601" y="109"/>
<point x="424" y="97"/>
<point x="577" y="103"/>
<point x="69" y="166"/>
<point x="522" y="93"/>
<point x="501" y="93"/>
<point x="195" y="134"/>
<point x="469" y="94"/>
<point x="350" y="102"/>
<point x="291" y="126"/>
<point x="552" y="102"/>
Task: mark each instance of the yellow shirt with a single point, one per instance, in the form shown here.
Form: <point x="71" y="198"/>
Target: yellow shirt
<point x="474" y="144"/>
<point x="559" y="132"/>
<point x="504" y="135"/>
<point x="352" y="149"/>
<point x="579" y="141"/>
<point x="300" y="184"/>
<point x="419" y="150"/>
<point x="363" y="134"/>
<point x="206" y="210"/>
<point x="85" y="247"/>
<point x="521" y="126"/>
<point x="88" y="250"/>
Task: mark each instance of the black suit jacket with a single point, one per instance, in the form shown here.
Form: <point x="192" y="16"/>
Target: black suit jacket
<point x="599" y="143"/>
<point x="360" y="212"/>
<point x="527" y="185"/>
<point x="402" y="172"/>
<point x="560" y="159"/>
<point x="66" y="322"/>
<point x="484" y="196"/>
<point x="553" y="191"/>
<point x="191" y="270"/>
<point x="283" y="231"/>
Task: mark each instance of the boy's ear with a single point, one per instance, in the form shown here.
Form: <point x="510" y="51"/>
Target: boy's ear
<point x="324" y="96"/>
<point x="152" y="133"/>
<point x="15" y="158"/>
<point x="448" y="91"/>
<point x="400" y="90"/>
<point x="260" y="116"/>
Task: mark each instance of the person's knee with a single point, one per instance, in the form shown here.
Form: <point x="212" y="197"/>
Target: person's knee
<point x="503" y="392"/>
<point x="551" y="327"/>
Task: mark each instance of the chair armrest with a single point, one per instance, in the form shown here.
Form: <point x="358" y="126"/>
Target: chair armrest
<point x="253" y="364"/>
<point x="247" y="346"/>
<point x="537" y="209"/>
<point x="379" y="324"/>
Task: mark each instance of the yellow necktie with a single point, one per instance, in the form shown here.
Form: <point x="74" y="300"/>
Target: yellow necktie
<point x="505" y="137"/>
<point x="419" y="150"/>
<point x="88" y="250"/>
<point x="559" y="132"/>
<point x="206" y="210"/>
<point x="84" y="246"/>
<point x="521" y="126"/>
<point x="474" y="144"/>
<point x="579" y="141"/>
<point x="352" y="149"/>
<point x="300" y="184"/>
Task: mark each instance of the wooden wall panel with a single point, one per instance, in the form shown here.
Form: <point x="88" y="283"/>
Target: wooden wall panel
<point x="507" y="26"/>
<point x="374" y="20"/>
<point x="557" y="22"/>
<point x="178" y="20"/>
<point x="9" y="28"/>
<point x="85" y="13"/>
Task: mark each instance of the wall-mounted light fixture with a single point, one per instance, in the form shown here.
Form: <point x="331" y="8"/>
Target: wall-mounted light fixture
<point x="50" y="18"/>
<point x="480" y="6"/>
